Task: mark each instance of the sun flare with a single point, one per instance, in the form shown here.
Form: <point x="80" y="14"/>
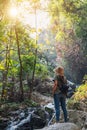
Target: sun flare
<point x="13" y="11"/>
<point x="26" y="14"/>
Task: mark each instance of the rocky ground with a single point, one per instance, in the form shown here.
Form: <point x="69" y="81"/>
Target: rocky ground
<point x="62" y="126"/>
<point x="43" y="95"/>
<point x="78" y="117"/>
<point x="42" y="99"/>
<point x="77" y="113"/>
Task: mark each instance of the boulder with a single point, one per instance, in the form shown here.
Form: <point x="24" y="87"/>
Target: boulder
<point x="3" y="123"/>
<point x="43" y="86"/>
<point x="62" y="126"/>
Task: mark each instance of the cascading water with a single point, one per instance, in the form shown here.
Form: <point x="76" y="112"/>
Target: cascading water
<point x="16" y="125"/>
<point x="28" y="119"/>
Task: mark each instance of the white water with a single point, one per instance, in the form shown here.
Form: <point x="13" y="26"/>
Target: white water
<point x="15" y="125"/>
<point x="50" y="105"/>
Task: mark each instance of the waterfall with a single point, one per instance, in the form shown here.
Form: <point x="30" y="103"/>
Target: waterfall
<point x="17" y="124"/>
<point x="29" y="119"/>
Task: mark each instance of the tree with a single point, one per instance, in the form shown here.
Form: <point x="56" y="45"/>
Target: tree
<point x="69" y="28"/>
<point x="19" y="53"/>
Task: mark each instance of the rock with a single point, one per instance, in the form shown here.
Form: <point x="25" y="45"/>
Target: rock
<point x="78" y="117"/>
<point x="3" y="123"/>
<point x="39" y="118"/>
<point x="62" y="126"/>
<point x="28" y="119"/>
<point x="43" y="100"/>
<point x="43" y="86"/>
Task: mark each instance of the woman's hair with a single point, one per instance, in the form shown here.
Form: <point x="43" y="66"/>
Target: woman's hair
<point x="58" y="70"/>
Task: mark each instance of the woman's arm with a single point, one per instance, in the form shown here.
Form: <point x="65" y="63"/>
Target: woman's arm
<point x="55" y="86"/>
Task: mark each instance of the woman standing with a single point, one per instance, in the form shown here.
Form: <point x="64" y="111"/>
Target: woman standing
<point x="59" y="97"/>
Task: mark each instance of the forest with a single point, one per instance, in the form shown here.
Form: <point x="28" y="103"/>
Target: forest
<point x="35" y="37"/>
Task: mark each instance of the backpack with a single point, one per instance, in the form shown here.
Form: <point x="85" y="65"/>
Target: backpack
<point x="63" y="87"/>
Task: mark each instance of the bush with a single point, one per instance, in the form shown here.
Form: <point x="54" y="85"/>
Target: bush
<point x="81" y="93"/>
<point x="72" y="104"/>
<point x="41" y="71"/>
<point x="79" y="97"/>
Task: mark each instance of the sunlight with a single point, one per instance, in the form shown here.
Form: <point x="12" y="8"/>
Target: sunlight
<point x="26" y="14"/>
<point x="13" y="11"/>
<point x="41" y="17"/>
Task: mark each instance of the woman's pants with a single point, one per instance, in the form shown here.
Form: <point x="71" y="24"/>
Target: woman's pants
<point x="60" y="100"/>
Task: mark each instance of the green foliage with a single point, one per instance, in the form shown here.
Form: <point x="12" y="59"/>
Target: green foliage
<point x="72" y="104"/>
<point x="69" y="20"/>
<point x="30" y="103"/>
<point x="12" y="106"/>
<point x="79" y="97"/>
<point x="14" y="66"/>
<point x="85" y="79"/>
<point x="41" y="71"/>
<point x="28" y="62"/>
<point x="81" y="93"/>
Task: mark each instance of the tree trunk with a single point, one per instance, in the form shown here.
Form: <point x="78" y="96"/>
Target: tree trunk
<point x="20" y="76"/>
<point x="35" y="60"/>
<point x="4" y="92"/>
<point x="5" y="72"/>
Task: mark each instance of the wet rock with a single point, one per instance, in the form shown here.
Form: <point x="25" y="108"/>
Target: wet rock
<point x="38" y="122"/>
<point x="28" y="119"/>
<point x="3" y="123"/>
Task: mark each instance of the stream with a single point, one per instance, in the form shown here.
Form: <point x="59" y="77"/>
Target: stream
<point x="29" y="119"/>
<point x="15" y="125"/>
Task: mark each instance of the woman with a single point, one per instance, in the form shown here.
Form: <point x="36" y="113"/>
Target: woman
<point x="59" y="98"/>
